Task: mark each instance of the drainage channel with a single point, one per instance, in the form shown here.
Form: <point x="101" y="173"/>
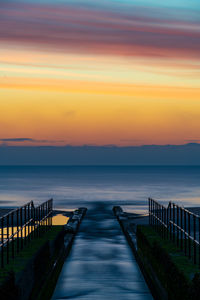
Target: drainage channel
<point x="101" y="264"/>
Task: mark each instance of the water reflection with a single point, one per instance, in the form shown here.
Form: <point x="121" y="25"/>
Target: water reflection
<point x="14" y="232"/>
<point x="22" y="231"/>
<point x="9" y="231"/>
<point x="60" y="219"/>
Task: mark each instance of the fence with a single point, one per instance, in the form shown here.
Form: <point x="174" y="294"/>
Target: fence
<point x="20" y="226"/>
<point x="178" y="225"/>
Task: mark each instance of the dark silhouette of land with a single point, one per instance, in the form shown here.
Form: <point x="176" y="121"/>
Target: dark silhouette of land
<point x="177" y="155"/>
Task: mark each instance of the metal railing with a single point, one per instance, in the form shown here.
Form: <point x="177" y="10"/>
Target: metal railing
<point x="20" y="226"/>
<point x="179" y="225"/>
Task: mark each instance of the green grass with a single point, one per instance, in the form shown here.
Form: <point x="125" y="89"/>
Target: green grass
<point x="22" y="258"/>
<point x="183" y="263"/>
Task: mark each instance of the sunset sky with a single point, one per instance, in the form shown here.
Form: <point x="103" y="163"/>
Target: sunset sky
<point x="122" y="72"/>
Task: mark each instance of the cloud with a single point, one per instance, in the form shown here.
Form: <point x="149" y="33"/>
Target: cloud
<point x="17" y="140"/>
<point x="5" y="141"/>
<point x="148" y="32"/>
<point x="193" y="140"/>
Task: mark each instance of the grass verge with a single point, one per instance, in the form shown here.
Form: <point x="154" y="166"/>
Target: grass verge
<point x="177" y="273"/>
<point x="37" y="255"/>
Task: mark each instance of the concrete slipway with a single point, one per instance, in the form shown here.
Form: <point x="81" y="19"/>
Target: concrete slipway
<point x="101" y="264"/>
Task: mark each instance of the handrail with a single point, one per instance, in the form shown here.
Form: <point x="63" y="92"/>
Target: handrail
<point x="17" y="209"/>
<point x="179" y="225"/>
<point x="185" y="232"/>
<point x="165" y="225"/>
<point x="185" y="209"/>
<point x="30" y="221"/>
<point x="12" y="236"/>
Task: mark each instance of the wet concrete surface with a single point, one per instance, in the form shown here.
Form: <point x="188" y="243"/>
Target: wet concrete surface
<point x="101" y="264"/>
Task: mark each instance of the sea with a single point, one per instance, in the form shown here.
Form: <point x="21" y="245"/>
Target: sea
<point x="83" y="186"/>
<point x="100" y="264"/>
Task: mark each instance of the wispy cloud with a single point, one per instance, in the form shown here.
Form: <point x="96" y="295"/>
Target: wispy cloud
<point x="197" y="140"/>
<point x="17" y="140"/>
<point x="141" y="32"/>
<point x="30" y="140"/>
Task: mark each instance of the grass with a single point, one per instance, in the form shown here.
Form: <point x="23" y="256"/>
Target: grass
<point x="183" y="263"/>
<point x="22" y="258"/>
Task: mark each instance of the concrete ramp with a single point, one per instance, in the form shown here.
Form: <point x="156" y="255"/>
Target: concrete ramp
<point x="101" y="264"/>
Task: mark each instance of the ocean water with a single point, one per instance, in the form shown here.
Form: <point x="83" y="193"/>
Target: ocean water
<point x="72" y="187"/>
<point x="101" y="264"/>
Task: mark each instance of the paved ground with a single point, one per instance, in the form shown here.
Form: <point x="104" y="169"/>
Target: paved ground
<point x="101" y="264"/>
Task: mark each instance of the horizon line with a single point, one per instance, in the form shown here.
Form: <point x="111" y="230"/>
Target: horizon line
<point x="97" y="146"/>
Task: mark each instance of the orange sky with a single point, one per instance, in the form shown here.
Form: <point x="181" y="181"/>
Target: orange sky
<point x="99" y="90"/>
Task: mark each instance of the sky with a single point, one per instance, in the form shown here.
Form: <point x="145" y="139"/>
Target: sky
<point x="99" y="73"/>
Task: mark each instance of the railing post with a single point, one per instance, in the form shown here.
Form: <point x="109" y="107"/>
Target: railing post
<point x="2" y="242"/>
<point x="46" y="217"/>
<point x="170" y="219"/>
<point x="25" y="225"/>
<point x="17" y="230"/>
<point x="51" y="210"/>
<point x="165" y="222"/>
<point x="153" y="215"/>
<point x="48" y="210"/>
<point x="177" y="222"/>
<point x="35" y="222"/>
<point x="173" y="222"/>
<point x="42" y="218"/>
<point x="29" y="222"/>
<point x="181" y="211"/>
<point x="156" y="215"/>
<point x="189" y="242"/>
<point x="194" y="245"/>
<point x="162" y="226"/>
<point x="39" y="212"/>
<point x="38" y="221"/>
<point x="199" y="240"/>
<point x="185" y="229"/>
<point x="159" y="220"/>
<point x="7" y="244"/>
<point x="25" y="219"/>
<point x="33" y="216"/>
<point x="12" y="224"/>
<point x="21" y="225"/>
<point x="149" y="212"/>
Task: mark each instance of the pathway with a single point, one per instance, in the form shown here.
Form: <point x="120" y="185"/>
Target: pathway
<point x="101" y="264"/>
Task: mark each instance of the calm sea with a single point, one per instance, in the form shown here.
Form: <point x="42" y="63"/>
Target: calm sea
<point x="72" y="187"/>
